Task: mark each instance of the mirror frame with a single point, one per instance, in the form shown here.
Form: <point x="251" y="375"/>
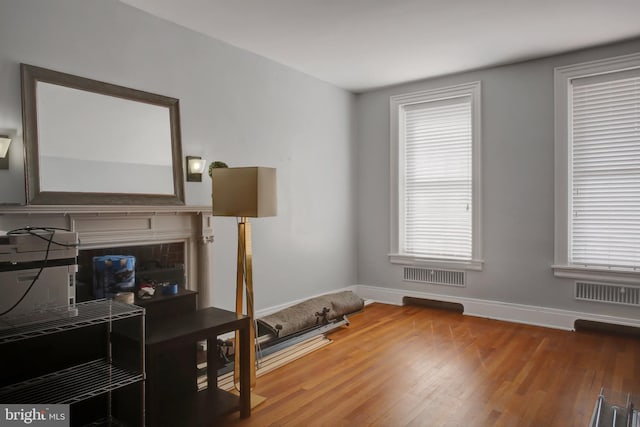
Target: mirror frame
<point x="30" y="76"/>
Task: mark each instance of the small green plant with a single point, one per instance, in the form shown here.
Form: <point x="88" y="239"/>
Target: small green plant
<point x="215" y="165"/>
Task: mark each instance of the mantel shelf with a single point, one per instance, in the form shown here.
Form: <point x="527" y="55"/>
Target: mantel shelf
<point x="102" y="209"/>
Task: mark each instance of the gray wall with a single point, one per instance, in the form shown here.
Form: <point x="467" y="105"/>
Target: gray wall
<point x="235" y="106"/>
<point x="247" y="110"/>
<point x="518" y="187"/>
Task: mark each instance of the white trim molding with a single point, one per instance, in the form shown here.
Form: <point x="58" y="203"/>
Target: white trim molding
<point x="517" y="313"/>
<point x="563" y="76"/>
<point x="474" y="265"/>
<point x="629" y="277"/>
<point x="397" y="103"/>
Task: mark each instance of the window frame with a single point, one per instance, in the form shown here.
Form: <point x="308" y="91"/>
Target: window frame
<point x="397" y="103"/>
<point x="562" y="86"/>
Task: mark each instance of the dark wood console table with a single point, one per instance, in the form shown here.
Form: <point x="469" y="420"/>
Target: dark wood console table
<point x="161" y="306"/>
<point x="168" y="341"/>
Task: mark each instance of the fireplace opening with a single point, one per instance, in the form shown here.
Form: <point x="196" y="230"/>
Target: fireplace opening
<point x="155" y="264"/>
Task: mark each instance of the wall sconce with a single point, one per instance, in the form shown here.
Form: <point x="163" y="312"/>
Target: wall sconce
<point x="195" y="167"/>
<point x="5" y="141"/>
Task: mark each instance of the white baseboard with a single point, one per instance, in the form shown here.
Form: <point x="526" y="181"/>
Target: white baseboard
<point x="517" y="313"/>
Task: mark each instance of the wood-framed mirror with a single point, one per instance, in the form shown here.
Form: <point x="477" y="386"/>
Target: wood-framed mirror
<point x="94" y="143"/>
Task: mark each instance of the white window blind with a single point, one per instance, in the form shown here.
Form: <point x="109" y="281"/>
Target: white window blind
<point x="605" y="173"/>
<point x="437" y="210"/>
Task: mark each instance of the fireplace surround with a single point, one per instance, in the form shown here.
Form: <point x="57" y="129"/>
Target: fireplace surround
<point x="153" y="264"/>
<point x="117" y="227"/>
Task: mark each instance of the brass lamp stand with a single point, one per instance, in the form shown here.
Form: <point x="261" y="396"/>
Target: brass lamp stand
<point x="244" y="275"/>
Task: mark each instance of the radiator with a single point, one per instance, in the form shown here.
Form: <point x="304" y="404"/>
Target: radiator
<point x="435" y="276"/>
<point x="608" y="293"/>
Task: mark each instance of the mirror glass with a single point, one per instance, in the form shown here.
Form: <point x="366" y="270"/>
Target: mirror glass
<point x="90" y="142"/>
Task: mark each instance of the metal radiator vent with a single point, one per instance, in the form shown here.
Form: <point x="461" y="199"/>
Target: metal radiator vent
<point x="435" y="276"/>
<point x="608" y="292"/>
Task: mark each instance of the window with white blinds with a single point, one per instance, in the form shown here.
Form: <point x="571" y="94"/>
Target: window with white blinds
<point x="597" y="170"/>
<point x="605" y="170"/>
<point x="437" y="179"/>
<point x="435" y="169"/>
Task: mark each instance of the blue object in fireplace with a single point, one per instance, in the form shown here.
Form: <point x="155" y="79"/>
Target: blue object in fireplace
<point x="113" y="274"/>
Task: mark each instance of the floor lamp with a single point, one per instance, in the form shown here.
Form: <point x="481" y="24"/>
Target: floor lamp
<point x="243" y="193"/>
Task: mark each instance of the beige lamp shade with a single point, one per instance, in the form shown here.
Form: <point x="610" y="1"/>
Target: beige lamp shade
<point x="244" y="192"/>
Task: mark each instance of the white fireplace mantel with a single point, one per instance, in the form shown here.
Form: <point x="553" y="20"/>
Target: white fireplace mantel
<point x="116" y="226"/>
<point x="99" y="209"/>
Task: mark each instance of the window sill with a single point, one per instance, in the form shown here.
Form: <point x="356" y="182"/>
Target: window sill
<point x="403" y="259"/>
<point x="596" y="274"/>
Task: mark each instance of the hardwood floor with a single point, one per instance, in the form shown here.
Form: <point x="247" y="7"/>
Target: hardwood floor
<point x="416" y="366"/>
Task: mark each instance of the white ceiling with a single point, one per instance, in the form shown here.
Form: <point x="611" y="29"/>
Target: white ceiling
<point x="364" y="44"/>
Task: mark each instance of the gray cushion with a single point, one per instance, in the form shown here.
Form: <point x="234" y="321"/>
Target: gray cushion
<point x="303" y="315"/>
